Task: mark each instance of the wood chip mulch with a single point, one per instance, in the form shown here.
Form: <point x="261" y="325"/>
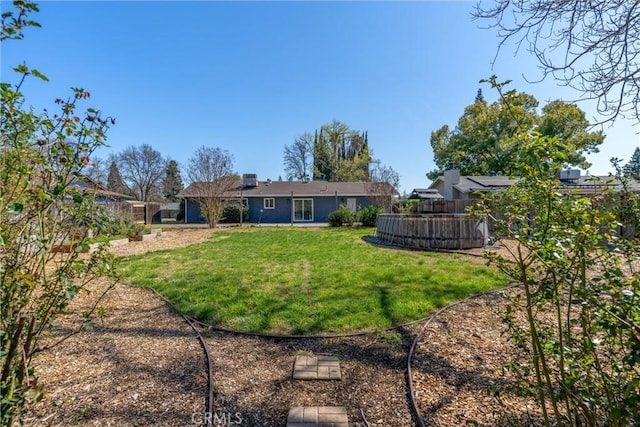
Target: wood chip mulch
<point x="458" y="368"/>
<point x="143" y="365"/>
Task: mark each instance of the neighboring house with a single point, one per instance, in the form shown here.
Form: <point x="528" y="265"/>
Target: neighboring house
<point x="454" y="186"/>
<point x="281" y="202"/>
<point x="460" y="191"/>
<point x="102" y="195"/>
<point x="426" y="194"/>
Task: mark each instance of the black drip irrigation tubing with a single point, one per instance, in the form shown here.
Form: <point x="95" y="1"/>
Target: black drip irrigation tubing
<point x="412" y="399"/>
<point x="203" y="344"/>
<point x="299" y="337"/>
<point x="414" y="407"/>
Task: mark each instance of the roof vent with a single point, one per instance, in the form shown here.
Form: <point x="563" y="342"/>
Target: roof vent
<point x="249" y="180"/>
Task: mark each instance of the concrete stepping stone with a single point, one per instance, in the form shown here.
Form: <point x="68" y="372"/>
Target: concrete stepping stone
<point x="317" y="368"/>
<point x="317" y="416"/>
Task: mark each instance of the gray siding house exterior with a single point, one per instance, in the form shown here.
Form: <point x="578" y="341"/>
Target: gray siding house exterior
<point x="290" y="202"/>
<point x="453" y="186"/>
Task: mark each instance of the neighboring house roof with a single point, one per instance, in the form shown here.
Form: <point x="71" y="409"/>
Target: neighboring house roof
<point x="298" y="188"/>
<point x="87" y="184"/>
<point x="425" y="193"/>
<point x="470" y="184"/>
<point x="585" y="184"/>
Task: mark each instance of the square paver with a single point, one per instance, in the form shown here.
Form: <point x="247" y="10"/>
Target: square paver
<point x="318" y="416"/>
<point x="317" y="368"/>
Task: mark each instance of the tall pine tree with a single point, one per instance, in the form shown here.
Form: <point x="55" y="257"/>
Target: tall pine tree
<point x="632" y="169"/>
<point x="172" y="183"/>
<point x="114" y="180"/>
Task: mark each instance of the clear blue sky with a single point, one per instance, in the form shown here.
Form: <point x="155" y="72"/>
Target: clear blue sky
<point x="250" y="76"/>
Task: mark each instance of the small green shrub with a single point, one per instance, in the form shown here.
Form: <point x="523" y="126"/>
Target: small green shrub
<point x="369" y="215"/>
<point x="341" y="216"/>
<point x="115" y="222"/>
<point x="231" y="213"/>
<point x="134" y="229"/>
<point x="406" y="206"/>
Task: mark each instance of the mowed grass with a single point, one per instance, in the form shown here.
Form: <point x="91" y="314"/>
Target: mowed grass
<point x="307" y="281"/>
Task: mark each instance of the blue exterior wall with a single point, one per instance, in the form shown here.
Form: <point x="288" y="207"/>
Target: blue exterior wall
<point x="192" y="213"/>
<point x="281" y="213"/>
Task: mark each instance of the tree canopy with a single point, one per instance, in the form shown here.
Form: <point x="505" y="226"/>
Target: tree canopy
<point x="340" y="153"/>
<point x="210" y="171"/>
<point x="114" y="180"/>
<point x="172" y="183"/>
<point x="485" y="138"/>
<point x="142" y="169"/>
<point x="298" y="157"/>
<point x="632" y="169"/>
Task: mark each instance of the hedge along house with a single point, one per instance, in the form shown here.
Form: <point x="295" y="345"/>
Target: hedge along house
<point x="282" y="202"/>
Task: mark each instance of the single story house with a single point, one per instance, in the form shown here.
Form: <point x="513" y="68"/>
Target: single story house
<point x="426" y="194"/>
<point x="454" y="186"/>
<point x="101" y="194"/>
<point x="282" y="202"/>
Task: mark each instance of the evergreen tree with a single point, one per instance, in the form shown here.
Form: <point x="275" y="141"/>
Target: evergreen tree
<point x="340" y="153"/>
<point x="114" y="180"/>
<point x="632" y="169"/>
<point x="479" y="96"/>
<point x="172" y="183"/>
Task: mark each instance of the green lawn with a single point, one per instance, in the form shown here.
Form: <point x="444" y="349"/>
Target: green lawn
<point x="301" y="281"/>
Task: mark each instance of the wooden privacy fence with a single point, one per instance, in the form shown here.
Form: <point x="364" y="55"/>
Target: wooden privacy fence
<point x="445" y="206"/>
<point x="142" y="212"/>
<point x="435" y="231"/>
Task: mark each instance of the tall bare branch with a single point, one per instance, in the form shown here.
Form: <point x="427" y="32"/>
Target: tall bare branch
<point x="590" y="46"/>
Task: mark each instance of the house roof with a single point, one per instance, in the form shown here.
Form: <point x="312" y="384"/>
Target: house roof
<point x="425" y="193"/>
<point x="470" y="184"/>
<point x="298" y="188"/>
<point x="86" y="184"/>
<point x="594" y="182"/>
<point x="484" y="183"/>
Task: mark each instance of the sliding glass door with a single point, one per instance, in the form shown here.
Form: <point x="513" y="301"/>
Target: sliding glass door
<point x="303" y="210"/>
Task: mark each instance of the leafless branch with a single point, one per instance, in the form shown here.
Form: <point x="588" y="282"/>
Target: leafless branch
<point x="590" y="46"/>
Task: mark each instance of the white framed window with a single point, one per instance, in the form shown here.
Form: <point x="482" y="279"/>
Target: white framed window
<point x="269" y="203"/>
<point x="303" y="209"/>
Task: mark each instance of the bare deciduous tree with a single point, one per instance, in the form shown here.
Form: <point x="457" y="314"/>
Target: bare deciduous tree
<point x="298" y="158"/>
<point x="591" y="46"/>
<point x="96" y="170"/>
<point x="383" y="186"/>
<point x="211" y="173"/>
<point x="142" y="169"/>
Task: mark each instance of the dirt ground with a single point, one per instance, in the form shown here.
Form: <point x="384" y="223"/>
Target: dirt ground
<point x="143" y="365"/>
